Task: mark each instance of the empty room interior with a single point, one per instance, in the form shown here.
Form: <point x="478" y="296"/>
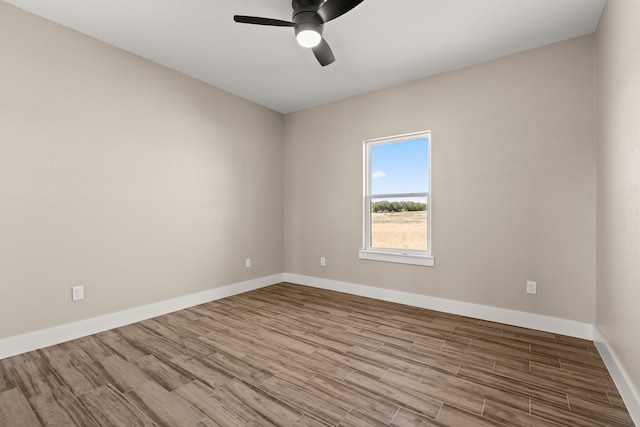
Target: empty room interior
<point x="185" y="238"/>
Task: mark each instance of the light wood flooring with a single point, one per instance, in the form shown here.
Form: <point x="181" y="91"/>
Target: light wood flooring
<point x="290" y="355"/>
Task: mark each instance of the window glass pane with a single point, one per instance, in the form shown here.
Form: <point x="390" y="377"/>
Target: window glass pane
<point x="399" y="223"/>
<point x="400" y="167"/>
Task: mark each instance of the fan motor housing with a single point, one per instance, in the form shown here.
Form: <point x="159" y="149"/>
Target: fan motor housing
<point x="304" y="6"/>
<point x="305" y="15"/>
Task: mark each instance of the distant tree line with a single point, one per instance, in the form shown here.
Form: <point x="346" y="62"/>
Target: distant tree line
<point x="386" y="206"/>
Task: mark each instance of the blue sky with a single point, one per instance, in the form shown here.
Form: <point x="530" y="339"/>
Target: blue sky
<point x="400" y="167"/>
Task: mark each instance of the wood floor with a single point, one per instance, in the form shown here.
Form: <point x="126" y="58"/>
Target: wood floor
<point x="289" y="355"/>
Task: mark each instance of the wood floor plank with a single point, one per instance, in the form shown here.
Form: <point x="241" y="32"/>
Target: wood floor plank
<point x="565" y="416"/>
<point x="517" y="331"/>
<point x="455" y="385"/>
<point x="162" y="373"/>
<point x="219" y="406"/>
<point x="350" y="362"/>
<point x="508" y="356"/>
<point x="452" y="416"/>
<point x="357" y="419"/>
<point x="349" y="337"/>
<point x="373" y="318"/>
<point x="290" y="355"/>
<point x="425" y="358"/>
<point x="20" y="359"/>
<point x="59" y="407"/>
<point x="281" y="367"/>
<point x="89" y="349"/>
<point x="307" y="362"/>
<point x="6" y="382"/>
<point x="202" y="370"/>
<point x="616" y="400"/>
<point x="286" y="324"/>
<point x="165" y="408"/>
<point x="477" y="332"/>
<point x="322" y="322"/>
<point x="322" y="340"/>
<point x="306" y="421"/>
<point x="514" y="386"/>
<point x="124" y="349"/>
<point x="269" y="408"/>
<point x="296" y="344"/>
<point x="122" y="374"/>
<point x="438" y="332"/>
<point x="34" y="377"/>
<point x="385" y="335"/>
<point x="160" y="328"/>
<point x="509" y="416"/>
<point x="192" y="346"/>
<point x="313" y="404"/>
<point x="389" y="361"/>
<point x="578" y="366"/>
<point x="111" y="408"/>
<point x="421" y="404"/>
<point x="149" y="343"/>
<point x="422" y="320"/>
<point x="560" y="385"/>
<point x="407" y="418"/>
<point x="573" y="378"/>
<point x="80" y="379"/>
<point x="504" y="351"/>
<point x="63" y="355"/>
<point x="461" y="396"/>
<point x="369" y="404"/>
<point x="461" y="357"/>
<point x="606" y="413"/>
<point x="15" y="410"/>
<point x="239" y="368"/>
<point x="223" y="342"/>
<point x="561" y="349"/>
<point x="413" y="336"/>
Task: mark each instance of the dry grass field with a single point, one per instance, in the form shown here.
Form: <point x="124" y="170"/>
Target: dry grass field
<point x="402" y="230"/>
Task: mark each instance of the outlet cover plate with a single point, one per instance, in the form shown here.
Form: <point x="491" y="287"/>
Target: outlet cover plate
<point x="532" y="287"/>
<point x="77" y="293"/>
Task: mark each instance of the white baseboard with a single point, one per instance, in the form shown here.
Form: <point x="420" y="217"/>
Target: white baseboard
<point x="58" y="334"/>
<point x="629" y="393"/>
<point x="493" y="314"/>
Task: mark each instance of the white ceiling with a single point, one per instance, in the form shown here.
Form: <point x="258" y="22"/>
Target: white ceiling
<point x="380" y="43"/>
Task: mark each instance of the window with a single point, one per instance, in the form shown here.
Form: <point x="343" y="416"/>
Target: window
<point x="397" y="199"/>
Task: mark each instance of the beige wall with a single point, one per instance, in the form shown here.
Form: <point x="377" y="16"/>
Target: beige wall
<point x="133" y="180"/>
<point x="144" y="185"/>
<point x="618" y="226"/>
<point x="513" y="182"/>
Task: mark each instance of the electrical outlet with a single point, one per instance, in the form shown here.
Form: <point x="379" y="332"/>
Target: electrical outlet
<point x="323" y="261"/>
<point x="532" y="287"/>
<point x="77" y="293"/>
<point x="247" y="262"/>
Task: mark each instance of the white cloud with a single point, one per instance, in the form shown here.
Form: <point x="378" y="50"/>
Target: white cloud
<point x="378" y="174"/>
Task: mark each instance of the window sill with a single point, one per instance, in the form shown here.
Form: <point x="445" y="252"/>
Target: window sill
<point x="398" y="257"/>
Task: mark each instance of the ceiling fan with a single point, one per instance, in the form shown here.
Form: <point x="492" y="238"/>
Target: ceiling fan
<point x="308" y="19"/>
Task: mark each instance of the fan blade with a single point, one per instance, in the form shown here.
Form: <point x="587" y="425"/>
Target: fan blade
<point x="331" y="9"/>
<point x="262" y="21"/>
<point x="323" y="53"/>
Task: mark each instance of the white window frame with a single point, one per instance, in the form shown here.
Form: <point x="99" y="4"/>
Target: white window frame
<point x="402" y="256"/>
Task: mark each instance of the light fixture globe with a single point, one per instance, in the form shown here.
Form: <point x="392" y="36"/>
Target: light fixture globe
<point x="308" y="34"/>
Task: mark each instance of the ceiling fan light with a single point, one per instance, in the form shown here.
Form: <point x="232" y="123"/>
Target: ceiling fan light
<point x="308" y="38"/>
<point x="308" y="35"/>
